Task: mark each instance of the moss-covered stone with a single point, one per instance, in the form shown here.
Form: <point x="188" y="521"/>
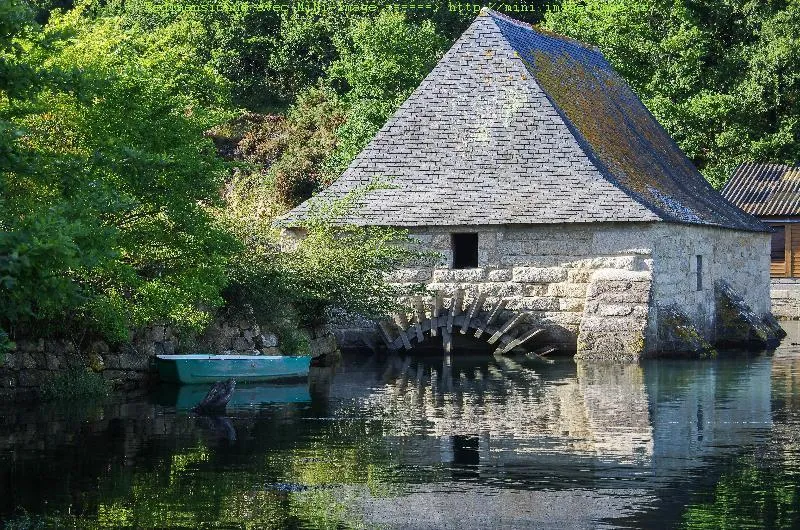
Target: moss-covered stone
<point x="678" y="336"/>
<point x="737" y="324"/>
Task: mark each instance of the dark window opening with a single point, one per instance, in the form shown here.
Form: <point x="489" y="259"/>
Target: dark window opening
<point x="699" y="273"/>
<point x="465" y="251"/>
<point x="778" y="250"/>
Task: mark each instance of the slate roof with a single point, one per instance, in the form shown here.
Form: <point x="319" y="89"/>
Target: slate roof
<point x="519" y="126"/>
<point x="765" y="189"/>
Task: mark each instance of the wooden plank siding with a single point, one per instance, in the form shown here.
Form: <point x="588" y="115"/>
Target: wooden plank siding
<point x="793" y="250"/>
<point x="787" y="263"/>
<point x="777" y="269"/>
<point x="777" y="266"/>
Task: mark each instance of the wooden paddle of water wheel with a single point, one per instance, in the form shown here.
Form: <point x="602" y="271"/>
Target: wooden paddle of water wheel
<point x="509" y="331"/>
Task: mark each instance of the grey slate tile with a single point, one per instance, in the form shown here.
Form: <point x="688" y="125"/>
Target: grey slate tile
<point x="489" y="138"/>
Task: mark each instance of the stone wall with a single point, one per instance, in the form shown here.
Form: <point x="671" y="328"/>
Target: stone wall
<point x="739" y="258"/>
<point x="132" y="364"/>
<point x="615" y="315"/>
<point x="544" y="270"/>
<point x="563" y="276"/>
<point x="785" y="294"/>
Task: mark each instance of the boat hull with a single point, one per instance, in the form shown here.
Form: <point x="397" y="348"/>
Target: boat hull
<point x="187" y="369"/>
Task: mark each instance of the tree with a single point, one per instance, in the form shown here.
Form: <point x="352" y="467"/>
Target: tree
<point x="381" y="61"/>
<point x="108" y="221"/>
<point x="723" y="78"/>
<point x="333" y="264"/>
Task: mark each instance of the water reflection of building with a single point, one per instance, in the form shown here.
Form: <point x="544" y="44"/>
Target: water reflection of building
<point x="701" y="410"/>
<point x="786" y="403"/>
<point x="516" y="409"/>
<point x="661" y="419"/>
<point x="572" y="445"/>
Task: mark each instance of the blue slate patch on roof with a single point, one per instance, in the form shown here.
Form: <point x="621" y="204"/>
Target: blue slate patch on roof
<point x="516" y="126"/>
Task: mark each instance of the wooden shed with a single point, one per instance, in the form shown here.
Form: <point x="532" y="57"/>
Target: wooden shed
<point x="771" y="192"/>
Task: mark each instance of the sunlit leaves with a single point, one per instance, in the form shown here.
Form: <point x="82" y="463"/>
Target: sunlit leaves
<point x="108" y="211"/>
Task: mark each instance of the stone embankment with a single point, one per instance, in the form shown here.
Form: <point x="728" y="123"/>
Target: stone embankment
<point x="785" y="294"/>
<point x="131" y="364"/>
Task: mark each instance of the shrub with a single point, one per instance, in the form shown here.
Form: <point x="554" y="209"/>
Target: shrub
<point x="335" y="264"/>
<point x="106" y="219"/>
<point x="74" y="384"/>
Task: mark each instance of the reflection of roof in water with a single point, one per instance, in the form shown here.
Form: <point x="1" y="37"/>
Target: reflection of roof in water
<point x="515" y="125"/>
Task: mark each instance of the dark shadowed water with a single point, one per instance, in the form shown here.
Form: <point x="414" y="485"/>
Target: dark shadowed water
<point x="409" y="443"/>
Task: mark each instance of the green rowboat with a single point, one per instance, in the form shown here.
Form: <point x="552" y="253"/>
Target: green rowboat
<point x="202" y="368"/>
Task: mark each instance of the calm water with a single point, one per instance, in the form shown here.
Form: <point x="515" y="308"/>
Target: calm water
<point x="409" y="443"/>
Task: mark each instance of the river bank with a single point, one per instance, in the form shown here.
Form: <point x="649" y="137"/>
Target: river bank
<point x="32" y="364"/>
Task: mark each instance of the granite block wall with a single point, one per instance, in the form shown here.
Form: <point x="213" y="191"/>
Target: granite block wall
<point x="596" y="279"/>
<point x="785" y="294"/>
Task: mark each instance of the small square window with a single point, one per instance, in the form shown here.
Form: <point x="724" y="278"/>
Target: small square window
<point x="465" y="251"/>
<point x="699" y="273"/>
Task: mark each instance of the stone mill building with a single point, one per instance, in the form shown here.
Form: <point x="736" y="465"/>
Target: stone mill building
<point x="562" y="213"/>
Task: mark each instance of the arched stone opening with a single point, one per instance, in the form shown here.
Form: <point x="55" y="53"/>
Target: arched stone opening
<point x="497" y="330"/>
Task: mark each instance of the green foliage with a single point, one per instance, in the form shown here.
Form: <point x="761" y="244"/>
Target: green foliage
<point x="107" y="212"/>
<point x="296" y="153"/>
<point x="331" y="264"/>
<point x="302" y="50"/>
<point x="282" y="155"/>
<point x="235" y="41"/>
<point x="27" y="521"/>
<point x="384" y="58"/>
<point x="272" y="55"/>
<point x="74" y="384"/>
<point x="749" y="496"/>
<point x="381" y="61"/>
<point x="722" y="77"/>
<point x="16" y="18"/>
<point x="112" y="215"/>
<point x="343" y="265"/>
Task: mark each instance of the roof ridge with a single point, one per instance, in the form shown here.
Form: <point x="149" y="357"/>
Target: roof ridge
<point x="583" y="144"/>
<point x="543" y="31"/>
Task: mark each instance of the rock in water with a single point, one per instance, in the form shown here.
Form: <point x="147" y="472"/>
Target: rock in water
<point x="737" y="324"/>
<point x="217" y="398"/>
